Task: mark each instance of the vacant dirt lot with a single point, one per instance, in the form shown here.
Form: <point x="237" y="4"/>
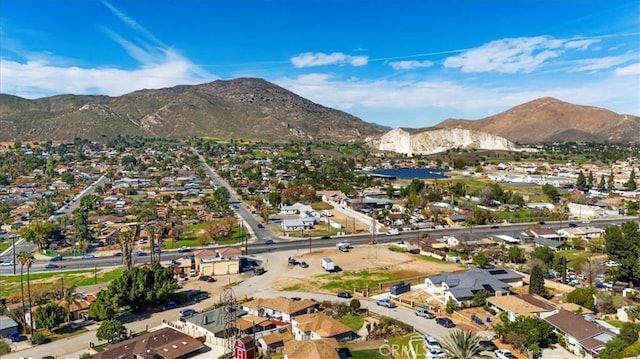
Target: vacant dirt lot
<point x="358" y="268"/>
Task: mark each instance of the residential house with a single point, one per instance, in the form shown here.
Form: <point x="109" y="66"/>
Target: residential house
<point x="335" y="197"/>
<point x="297" y="224"/>
<point x="279" y="308"/>
<point x="220" y="261"/>
<point x="462" y="286"/>
<point x="584" y="233"/>
<point x="210" y="324"/>
<point x="315" y="326"/>
<point x="311" y="349"/>
<point x="528" y="305"/>
<point x="272" y="342"/>
<point x="582" y="337"/>
<point x="7" y="326"/>
<point x="165" y="343"/>
<point x="249" y="324"/>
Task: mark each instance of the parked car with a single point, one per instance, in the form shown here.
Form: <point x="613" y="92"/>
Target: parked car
<point x="343" y="244"/>
<point x="386" y="303"/>
<point x="260" y="225"/>
<point x="344" y="295"/>
<point x="200" y="297"/>
<point x="16" y="337"/>
<point x="117" y="254"/>
<point x="192" y="273"/>
<point x="432" y="343"/>
<point x="344" y="249"/>
<point x="292" y="261"/>
<point x="488" y="345"/>
<point x="296" y="298"/>
<point x="573" y="225"/>
<point x="259" y="271"/>
<point x="89" y="256"/>
<point x="424" y="312"/>
<point x="504" y="354"/>
<point x="325" y="237"/>
<point x="611" y="264"/>
<point x="304" y="265"/>
<point x="187" y="312"/>
<point x="445" y="322"/>
<point x="57" y="258"/>
<point x="269" y="241"/>
<point x="206" y="278"/>
<point x="6" y="264"/>
<point x="435" y="353"/>
<point x="140" y="254"/>
<point x="51" y="266"/>
<point x="170" y="305"/>
<point x="184" y="249"/>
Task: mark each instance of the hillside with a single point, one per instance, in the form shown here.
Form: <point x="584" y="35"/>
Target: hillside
<point x="430" y="140"/>
<point x="551" y="120"/>
<point x="246" y="108"/>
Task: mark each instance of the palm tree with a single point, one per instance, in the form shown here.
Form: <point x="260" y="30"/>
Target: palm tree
<point x="463" y="344"/>
<point x="125" y="240"/>
<point x="26" y="259"/>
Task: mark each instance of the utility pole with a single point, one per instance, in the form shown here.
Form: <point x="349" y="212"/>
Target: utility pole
<point x="13" y="244"/>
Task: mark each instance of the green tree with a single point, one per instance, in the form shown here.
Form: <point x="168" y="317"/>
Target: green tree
<point x="354" y="305"/>
<point x="50" y="316"/>
<point x="536" y="281"/>
<point x="26" y="259"/>
<point x="480" y="298"/>
<point x="481" y="259"/>
<point x="515" y="255"/>
<point x="613" y="349"/>
<point x="590" y="180"/>
<point x="632" y="208"/>
<point x="622" y="244"/>
<point x="139" y="287"/>
<point x="451" y="306"/>
<point x="463" y="344"/>
<point x="544" y="254"/>
<point x="583" y="297"/>
<point x="630" y="332"/>
<point x="611" y="185"/>
<point x="581" y="182"/>
<point x="67" y="177"/>
<point x="112" y="330"/>
<point x="524" y="332"/>
<point x="552" y="193"/>
<point x="104" y="307"/>
<point x="631" y="185"/>
<point x="602" y="185"/>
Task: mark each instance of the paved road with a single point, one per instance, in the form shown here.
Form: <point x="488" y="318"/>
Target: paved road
<point x="258" y="247"/>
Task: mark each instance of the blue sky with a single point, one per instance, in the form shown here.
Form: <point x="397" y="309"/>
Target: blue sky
<point x="395" y="63"/>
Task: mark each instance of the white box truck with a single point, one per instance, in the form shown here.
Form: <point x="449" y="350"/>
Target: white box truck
<point x="327" y="264"/>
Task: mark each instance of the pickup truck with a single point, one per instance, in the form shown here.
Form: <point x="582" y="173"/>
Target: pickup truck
<point x="392" y="232"/>
<point x="292" y="261"/>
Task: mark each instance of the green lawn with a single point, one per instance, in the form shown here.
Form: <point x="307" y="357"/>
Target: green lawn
<point x="354" y="322"/>
<point x="616" y="323"/>
<point x="192" y="231"/>
<point x="346" y="281"/>
<point x="4" y="245"/>
<point x="11" y="283"/>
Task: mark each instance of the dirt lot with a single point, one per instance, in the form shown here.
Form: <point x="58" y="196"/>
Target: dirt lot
<point x="361" y="266"/>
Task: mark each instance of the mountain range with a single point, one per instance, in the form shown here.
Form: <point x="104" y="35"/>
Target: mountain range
<point x="254" y="109"/>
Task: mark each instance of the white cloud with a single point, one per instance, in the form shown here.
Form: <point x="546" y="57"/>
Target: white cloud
<point x="310" y="59"/>
<point x="35" y="79"/>
<point x="410" y="64"/>
<point x="160" y="66"/>
<point x="633" y="69"/>
<point x="580" y="44"/>
<point x="601" y="62"/>
<point x="452" y="97"/>
<point x="513" y="55"/>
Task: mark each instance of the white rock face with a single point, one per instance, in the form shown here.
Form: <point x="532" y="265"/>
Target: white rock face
<point x="440" y="140"/>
